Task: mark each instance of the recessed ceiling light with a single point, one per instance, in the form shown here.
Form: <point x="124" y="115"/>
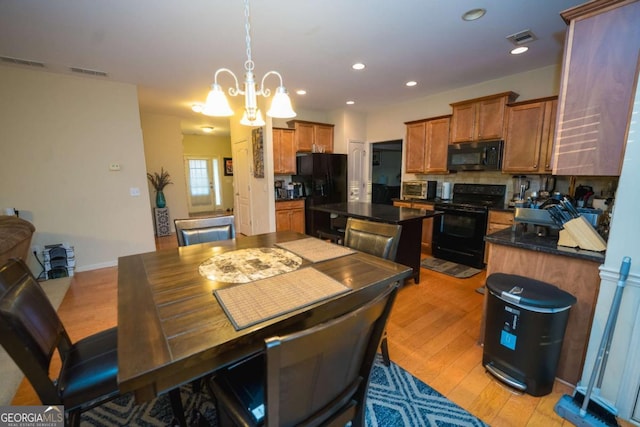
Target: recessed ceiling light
<point x="197" y="108"/>
<point x="411" y="83"/>
<point x="358" y="66"/>
<point x="519" y="50"/>
<point x="301" y="92"/>
<point x="351" y="102"/>
<point x="473" y="14"/>
<point x="207" y="129"/>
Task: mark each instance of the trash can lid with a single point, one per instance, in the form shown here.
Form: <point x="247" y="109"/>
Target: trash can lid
<point x="527" y="291"/>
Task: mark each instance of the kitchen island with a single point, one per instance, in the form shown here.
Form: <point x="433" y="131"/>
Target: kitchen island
<point x="576" y="271"/>
<point x="409" y="247"/>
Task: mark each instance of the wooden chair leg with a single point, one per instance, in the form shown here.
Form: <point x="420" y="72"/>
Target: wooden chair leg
<point x="176" y="406"/>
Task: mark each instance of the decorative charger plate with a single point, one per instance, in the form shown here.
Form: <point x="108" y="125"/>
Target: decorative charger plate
<point x="247" y="265"/>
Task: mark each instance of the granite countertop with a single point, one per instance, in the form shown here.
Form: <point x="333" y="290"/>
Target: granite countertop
<point x="548" y="244"/>
<point x="383" y="213"/>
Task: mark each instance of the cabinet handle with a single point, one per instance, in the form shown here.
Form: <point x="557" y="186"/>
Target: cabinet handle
<point x="535" y="166"/>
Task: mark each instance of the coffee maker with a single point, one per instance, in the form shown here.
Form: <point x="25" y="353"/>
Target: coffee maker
<point x="280" y="189"/>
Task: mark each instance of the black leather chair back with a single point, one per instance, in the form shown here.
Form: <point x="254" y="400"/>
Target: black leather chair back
<point x="317" y="376"/>
<point x="30" y="329"/>
<point x="192" y="231"/>
<point x="31" y="332"/>
<point x="375" y="238"/>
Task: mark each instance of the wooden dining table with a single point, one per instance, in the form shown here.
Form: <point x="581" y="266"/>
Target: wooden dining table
<point x="172" y="329"/>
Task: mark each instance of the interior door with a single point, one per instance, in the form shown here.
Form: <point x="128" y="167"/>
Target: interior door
<point x="242" y="187"/>
<point x="201" y="196"/>
<point x="356" y="172"/>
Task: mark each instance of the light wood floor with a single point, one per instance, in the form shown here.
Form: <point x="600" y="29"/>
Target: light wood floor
<point x="432" y="333"/>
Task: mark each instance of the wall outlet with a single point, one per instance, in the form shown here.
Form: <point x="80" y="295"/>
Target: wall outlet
<point x="114" y="166"/>
<point x="36" y="248"/>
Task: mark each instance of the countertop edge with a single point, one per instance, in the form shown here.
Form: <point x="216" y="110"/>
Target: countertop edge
<point x="549" y="244"/>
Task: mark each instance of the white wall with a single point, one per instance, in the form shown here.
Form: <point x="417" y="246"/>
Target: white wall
<point x="163" y="149"/>
<point x="58" y="135"/>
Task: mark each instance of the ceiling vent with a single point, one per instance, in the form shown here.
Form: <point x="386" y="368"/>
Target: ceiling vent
<point x="18" y="61"/>
<point x="88" y="72"/>
<point x="522" y="37"/>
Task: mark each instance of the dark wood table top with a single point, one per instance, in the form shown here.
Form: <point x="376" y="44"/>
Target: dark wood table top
<point x="172" y="330"/>
<point x="376" y="212"/>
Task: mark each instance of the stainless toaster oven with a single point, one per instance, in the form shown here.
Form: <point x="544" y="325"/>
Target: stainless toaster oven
<point x="419" y="190"/>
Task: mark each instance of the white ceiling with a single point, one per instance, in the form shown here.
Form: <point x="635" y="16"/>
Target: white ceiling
<point x="171" y="49"/>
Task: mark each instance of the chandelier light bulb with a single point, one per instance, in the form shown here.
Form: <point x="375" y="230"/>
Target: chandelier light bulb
<point x="281" y="105"/>
<point x="217" y="103"/>
<point x="256" y="122"/>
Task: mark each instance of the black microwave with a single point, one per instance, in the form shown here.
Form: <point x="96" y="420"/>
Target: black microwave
<point x="475" y="156"/>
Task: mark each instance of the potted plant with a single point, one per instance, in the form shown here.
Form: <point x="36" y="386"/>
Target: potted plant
<point x="159" y="181"/>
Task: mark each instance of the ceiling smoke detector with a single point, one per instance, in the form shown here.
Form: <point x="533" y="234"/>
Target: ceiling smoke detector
<point x="522" y="37"/>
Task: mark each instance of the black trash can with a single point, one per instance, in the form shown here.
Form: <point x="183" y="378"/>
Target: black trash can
<point x="524" y="329"/>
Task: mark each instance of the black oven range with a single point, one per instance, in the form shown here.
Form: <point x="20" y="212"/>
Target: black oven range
<point x="458" y="234"/>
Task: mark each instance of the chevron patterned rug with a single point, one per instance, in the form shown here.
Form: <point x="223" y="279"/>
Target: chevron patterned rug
<point x="396" y="398"/>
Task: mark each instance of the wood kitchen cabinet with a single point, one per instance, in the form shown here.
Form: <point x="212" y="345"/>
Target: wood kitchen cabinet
<point x="529" y="137"/>
<point x="480" y="119"/>
<point x="401" y="203"/>
<point x="290" y="215"/>
<point x="427" y="142"/>
<point x="308" y="134"/>
<point x="498" y="220"/>
<point x="427" y="223"/>
<point x="596" y="87"/>
<point x="284" y="151"/>
<point x="427" y="227"/>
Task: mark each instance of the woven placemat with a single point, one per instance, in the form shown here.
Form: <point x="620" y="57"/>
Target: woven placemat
<point x="250" y="303"/>
<point x="315" y="250"/>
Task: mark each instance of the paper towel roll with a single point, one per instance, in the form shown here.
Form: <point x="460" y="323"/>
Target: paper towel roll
<point x="9" y="211"/>
<point x="446" y="190"/>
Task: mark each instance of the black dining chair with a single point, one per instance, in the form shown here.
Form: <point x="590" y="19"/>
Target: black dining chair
<point x="314" y="377"/>
<point x="378" y="239"/>
<point x="191" y="231"/>
<point x="31" y="332"/>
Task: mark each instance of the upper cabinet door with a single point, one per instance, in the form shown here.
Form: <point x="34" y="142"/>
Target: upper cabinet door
<point x="463" y="123"/>
<point x="490" y="123"/>
<point x="480" y="119"/>
<point x="529" y="136"/>
<point x="304" y="136"/>
<point x="437" y="145"/>
<point x="598" y="73"/>
<point x="415" y="148"/>
<point x="324" y="137"/>
<point x="426" y="146"/>
<point x="524" y="137"/>
<point x="312" y="136"/>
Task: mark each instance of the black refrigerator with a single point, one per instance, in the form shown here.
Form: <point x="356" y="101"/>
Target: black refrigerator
<point x="324" y="180"/>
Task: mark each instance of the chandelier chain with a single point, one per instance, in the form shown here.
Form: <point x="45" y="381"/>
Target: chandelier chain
<point x="248" y="65"/>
